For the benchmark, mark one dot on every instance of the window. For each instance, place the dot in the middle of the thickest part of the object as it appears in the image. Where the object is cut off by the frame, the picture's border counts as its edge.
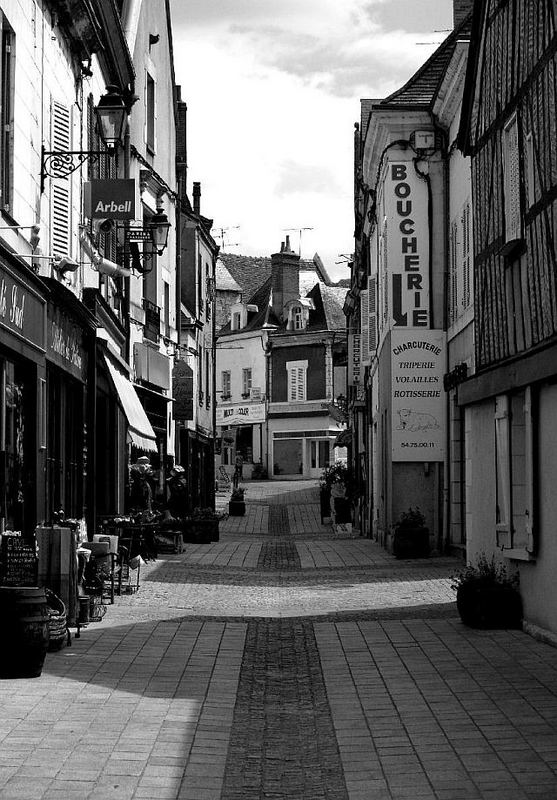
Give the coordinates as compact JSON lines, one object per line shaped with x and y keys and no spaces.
{"x":297,"y":318}
{"x":514,"y":441}
{"x":6,"y":116}
{"x":466,"y":221}
{"x":532,"y":183}
{"x":236,"y":321}
{"x":453,"y":273}
{"x":511,"y":181}
{"x":199,"y":286}
{"x":208,"y":373}
{"x":225,"y":385}
{"x":297,"y":373}
{"x":246,"y":382}
{"x":150,"y":112}
{"x":166,"y":308}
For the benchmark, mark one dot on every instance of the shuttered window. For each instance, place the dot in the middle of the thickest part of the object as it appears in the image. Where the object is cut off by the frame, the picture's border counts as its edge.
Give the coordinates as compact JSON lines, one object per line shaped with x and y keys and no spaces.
{"x":372,"y":325}
{"x":6,"y":117}
{"x":453,"y":272}
{"x":514,"y":440}
{"x":467,"y":255}
{"x":61,"y":187}
{"x":150,"y":112}
{"x":511,"y":181}
{"x":297,"y":381}
{"x":246,"y":382}
{"x":364,"y":325}
{"x":225,"y":384}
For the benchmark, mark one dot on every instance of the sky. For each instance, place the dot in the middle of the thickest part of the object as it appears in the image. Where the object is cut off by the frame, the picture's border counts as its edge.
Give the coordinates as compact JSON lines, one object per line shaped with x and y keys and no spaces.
{"x":273,"y":90}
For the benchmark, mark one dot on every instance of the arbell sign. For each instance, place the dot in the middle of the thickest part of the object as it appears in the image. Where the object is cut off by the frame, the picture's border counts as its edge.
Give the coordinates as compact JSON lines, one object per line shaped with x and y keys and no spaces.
{"x":109,"y":199}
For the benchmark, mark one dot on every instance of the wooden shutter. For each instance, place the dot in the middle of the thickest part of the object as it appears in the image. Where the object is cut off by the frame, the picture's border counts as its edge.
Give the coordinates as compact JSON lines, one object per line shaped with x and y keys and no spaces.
{"x":61,"y":187}
{"x":453,"y":275}
{"x":511,"y":181}
{"x":364,"y":325}
{"x":529,"y":472}
{"x":466,"y":255}
{"x":502,"y":469}
{"x":372,"y":324}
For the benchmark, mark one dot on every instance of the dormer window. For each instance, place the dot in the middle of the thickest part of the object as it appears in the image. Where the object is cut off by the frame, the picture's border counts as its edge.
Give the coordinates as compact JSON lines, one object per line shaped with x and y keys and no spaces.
{"x":236,"y":321}
{"x":297,"y":313}
{"x":297,"y":318}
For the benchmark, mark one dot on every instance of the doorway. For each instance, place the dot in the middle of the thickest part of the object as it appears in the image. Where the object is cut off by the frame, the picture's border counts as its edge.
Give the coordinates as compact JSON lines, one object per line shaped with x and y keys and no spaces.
{"x":319,"y":456}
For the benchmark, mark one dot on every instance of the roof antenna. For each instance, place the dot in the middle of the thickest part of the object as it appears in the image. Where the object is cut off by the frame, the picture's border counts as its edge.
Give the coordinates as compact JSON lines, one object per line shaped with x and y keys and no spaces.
{"x":299,"y":231}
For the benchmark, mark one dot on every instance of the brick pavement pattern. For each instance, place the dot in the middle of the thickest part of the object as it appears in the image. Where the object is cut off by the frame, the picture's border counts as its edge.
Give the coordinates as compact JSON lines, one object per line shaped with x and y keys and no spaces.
{"x":285,"y":661}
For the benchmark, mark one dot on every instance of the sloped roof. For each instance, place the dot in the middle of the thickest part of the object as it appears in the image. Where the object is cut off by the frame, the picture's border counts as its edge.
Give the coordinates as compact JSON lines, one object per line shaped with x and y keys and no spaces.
{"x":333,"y":298}
{"x":251,"y":272}
{"x":422,"y":87}
{"x":224,"y":280}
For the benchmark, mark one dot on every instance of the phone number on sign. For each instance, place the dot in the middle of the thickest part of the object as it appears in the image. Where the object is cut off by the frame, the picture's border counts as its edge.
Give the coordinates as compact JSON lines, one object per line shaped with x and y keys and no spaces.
{"x":417,"y":444}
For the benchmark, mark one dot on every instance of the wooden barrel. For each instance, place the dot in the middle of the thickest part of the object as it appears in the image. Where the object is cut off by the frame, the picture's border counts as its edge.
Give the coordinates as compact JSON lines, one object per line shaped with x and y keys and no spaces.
{"x":24,"y":631}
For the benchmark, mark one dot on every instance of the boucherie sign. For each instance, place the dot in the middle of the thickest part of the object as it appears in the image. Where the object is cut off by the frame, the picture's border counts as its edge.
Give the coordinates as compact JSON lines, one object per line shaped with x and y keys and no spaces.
{"x":109,"y":199}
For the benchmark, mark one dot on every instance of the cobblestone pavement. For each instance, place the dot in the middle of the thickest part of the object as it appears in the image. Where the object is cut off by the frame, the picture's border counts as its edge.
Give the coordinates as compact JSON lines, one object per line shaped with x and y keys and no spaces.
{"x":285,"y":662}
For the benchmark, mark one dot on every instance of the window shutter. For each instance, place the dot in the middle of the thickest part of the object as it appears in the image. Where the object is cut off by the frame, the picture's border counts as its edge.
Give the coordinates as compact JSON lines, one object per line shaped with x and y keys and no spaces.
{"x":372,"y":324}
{"x":364,"y":325}
{"x":453,"y":283}
{"x":300,"y":384}
{"x":466,"y":254}
{"x":503,"y":475}
{"x":529,"y":472}
{"x":511,"y":181}
{"x":60,"y":196}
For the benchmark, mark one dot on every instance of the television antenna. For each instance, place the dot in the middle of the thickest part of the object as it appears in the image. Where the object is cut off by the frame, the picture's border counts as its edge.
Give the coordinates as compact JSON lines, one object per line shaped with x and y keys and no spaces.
{"x":221,"y":233}
{"x":345,"y":258}
{"x":299,"y":231}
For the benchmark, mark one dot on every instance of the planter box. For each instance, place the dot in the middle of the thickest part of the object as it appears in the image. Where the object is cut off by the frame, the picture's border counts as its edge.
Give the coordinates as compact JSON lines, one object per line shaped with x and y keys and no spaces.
{"x":343,"y":510}
{"x":236,"y":508}
{"x":489,"y":605}
{"x":202,"y":531}
{"x":411,"y":542}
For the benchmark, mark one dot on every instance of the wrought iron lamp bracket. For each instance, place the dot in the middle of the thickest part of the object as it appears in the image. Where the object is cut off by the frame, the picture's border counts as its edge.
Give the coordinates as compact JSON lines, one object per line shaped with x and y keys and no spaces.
{"x":61,"y":163}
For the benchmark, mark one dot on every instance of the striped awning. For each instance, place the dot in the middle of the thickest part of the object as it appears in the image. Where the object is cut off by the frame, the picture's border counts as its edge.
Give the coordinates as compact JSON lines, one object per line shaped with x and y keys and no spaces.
{"x":140,"y":430}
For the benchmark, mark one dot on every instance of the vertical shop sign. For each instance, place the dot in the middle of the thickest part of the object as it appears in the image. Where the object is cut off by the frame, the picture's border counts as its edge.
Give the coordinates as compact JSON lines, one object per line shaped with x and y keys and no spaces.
{"x":354,"y":359}
{"x":418,"y":397}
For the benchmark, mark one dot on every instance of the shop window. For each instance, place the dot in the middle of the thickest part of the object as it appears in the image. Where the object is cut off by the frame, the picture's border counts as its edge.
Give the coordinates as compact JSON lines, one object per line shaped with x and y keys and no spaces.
{"x":514,"y":444}
{"x":6,"y":117}
{"x":297,"y":383}
{"x":15,"y":445}
{"x":246,"y":383}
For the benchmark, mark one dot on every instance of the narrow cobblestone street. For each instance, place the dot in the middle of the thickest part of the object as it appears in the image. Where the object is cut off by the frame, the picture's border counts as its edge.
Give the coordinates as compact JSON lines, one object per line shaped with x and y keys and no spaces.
{"x":285,"y":662}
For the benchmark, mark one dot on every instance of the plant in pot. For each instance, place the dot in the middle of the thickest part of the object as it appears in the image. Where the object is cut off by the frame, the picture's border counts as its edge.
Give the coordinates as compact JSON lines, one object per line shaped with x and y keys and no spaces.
{"x":487,"y":595}
{"x":336,"y":493}
{"x":236,"y":504}
{"x":203,"y":525}
{"x":410,"y":535}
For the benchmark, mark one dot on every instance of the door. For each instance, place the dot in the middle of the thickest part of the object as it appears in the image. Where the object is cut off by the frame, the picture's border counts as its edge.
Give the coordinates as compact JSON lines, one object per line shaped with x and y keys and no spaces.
{"x":319,"y":456}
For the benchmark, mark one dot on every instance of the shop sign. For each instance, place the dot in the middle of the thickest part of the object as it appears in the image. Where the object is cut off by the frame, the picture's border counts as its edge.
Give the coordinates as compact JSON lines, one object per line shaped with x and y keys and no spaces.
{"x":247,"y":414}
{"x":64,"y":343}
{"x":182,"y":391}
{"x":407,"y":258}
{"x":354,"y":362}
{"x":21,"y":309}
{"x":418,"y":397}
{"x":109,"y":199}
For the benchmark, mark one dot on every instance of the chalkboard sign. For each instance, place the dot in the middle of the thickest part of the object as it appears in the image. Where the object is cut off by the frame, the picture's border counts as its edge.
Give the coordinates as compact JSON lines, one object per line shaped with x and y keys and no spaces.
{"x":19,"y":562}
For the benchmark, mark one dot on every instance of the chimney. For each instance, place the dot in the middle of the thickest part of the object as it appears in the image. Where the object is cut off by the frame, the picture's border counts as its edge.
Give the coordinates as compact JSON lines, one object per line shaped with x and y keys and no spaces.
{"x":285,"y":277}
{"x":461,"y":9}
{"x":196,"y":197}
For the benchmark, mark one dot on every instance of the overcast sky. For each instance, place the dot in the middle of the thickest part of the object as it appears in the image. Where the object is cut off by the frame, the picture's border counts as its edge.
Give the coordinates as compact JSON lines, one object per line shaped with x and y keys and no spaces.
{"x":273,"y":90}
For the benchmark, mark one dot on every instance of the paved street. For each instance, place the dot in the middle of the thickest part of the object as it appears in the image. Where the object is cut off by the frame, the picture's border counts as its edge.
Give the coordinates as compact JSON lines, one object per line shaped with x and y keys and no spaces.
{"x":285,"y":661}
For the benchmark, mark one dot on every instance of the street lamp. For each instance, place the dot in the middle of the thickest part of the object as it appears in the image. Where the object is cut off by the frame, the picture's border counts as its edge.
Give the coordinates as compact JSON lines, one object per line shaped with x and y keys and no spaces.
{"x":155,"y":232}
{"x":111,"y":115}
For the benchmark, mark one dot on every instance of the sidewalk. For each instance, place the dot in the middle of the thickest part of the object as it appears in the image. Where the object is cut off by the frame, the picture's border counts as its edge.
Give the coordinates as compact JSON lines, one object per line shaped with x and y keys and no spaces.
{"x":293,"y":665}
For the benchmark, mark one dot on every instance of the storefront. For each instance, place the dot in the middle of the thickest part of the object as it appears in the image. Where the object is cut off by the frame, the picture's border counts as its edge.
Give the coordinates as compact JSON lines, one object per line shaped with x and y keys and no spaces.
{"x":241,"y":433}
{"x":69,"y":342}
{"x":22,"y":397}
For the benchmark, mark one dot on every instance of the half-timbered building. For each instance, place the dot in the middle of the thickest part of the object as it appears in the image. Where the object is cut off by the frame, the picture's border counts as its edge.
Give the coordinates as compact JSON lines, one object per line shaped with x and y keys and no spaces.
{"x":510,"y":403}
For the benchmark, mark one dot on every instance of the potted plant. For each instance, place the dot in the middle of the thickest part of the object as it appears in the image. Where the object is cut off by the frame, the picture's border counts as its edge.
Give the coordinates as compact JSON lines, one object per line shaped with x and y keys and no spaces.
{"x":410,"y":535}
{"x":236,"y":504}
{"x":487,"y":595}
{"x":203,"y":525}
{"x":336,"y":493}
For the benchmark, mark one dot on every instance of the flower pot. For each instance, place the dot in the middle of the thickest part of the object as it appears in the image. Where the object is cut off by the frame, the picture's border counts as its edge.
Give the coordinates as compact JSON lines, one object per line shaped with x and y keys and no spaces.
{"x":410,"y":542}
{"x":489,"y":605}
{"x":236,"y":508}
{"x":343,"y":510}
{"x":202,"y":531}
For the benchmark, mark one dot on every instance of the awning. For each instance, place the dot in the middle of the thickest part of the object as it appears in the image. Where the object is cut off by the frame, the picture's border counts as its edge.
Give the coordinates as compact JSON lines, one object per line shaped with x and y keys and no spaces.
{"x":140,"y":430}
{"x":344,"y":438}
